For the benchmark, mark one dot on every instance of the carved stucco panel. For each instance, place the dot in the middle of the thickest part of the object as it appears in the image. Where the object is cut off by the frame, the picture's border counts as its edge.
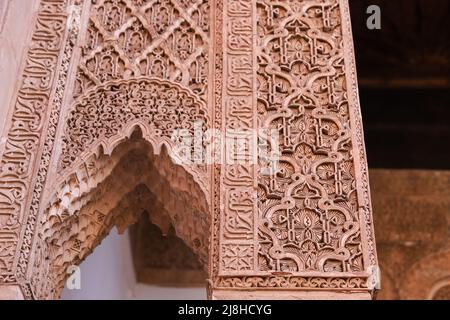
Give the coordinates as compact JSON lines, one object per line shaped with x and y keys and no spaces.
{"x":312,"y":219}
{"x":237,"y":185}
{"x":239,"y":66}
{"x":119,"y":87}
{"x":20,"y":187}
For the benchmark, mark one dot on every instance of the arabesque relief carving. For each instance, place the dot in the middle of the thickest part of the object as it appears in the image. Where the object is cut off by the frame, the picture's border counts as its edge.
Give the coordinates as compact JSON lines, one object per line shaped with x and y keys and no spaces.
{"x":309,"y":208}
{"x":164,"y":39}
{"x":103,"y":118}
{"x":107,"y":85}
{"x":312,"y":218}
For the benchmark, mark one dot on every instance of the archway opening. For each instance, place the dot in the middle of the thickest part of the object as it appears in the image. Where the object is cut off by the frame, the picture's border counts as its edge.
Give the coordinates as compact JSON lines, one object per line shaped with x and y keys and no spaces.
{"x":140,"y":264}
{"x":115,"y":190}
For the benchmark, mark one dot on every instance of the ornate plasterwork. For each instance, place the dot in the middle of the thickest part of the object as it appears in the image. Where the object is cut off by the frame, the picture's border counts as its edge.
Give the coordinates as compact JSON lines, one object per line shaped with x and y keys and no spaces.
{"x":157,"y":107}
{"x":153,"y":65}
{"x":24,"y":145}
{"x":107,"y":115}
{"x":164,"y":39}
{"x":309,"y":208}
{"x":95,"y":198}
{"x":110,"y":101}
{"x":312,"y":220}
{"x":237,"y":182}
{"x":143,"y":63}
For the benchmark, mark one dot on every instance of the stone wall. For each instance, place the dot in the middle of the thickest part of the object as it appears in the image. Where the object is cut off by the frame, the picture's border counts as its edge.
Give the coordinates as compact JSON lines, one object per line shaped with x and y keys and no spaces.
{"x":412,"y":222}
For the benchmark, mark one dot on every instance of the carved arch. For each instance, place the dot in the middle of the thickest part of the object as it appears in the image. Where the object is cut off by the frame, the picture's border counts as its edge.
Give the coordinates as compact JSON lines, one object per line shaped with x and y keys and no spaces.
{"x":106,"y":115}
{"x":113,"y":190}
{"x":128,"y":78}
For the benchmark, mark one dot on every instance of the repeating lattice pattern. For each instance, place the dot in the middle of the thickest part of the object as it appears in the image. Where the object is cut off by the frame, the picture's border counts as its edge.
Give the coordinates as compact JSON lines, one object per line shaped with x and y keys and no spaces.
{"x":309,"y":208}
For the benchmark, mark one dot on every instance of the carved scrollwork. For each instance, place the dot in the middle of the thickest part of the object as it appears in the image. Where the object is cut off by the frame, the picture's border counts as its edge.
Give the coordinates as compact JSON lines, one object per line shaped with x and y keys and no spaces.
{"x":313,"y":211}
{"x":23,"y":150}
{"x":307,"y":209}
{"x":168,"y":39}
{"x":293,"y":282}
{"x":286,"y":66}
{"x":157,"y":106}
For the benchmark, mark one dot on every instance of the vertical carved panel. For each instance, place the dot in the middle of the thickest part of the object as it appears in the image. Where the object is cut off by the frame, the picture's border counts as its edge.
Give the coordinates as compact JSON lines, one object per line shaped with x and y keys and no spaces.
{"x":312,"y":224}
{"x":237,"y":247}
{"x":309,"y":209}
{"x":24,"y":149}
{"x":145,"y":64}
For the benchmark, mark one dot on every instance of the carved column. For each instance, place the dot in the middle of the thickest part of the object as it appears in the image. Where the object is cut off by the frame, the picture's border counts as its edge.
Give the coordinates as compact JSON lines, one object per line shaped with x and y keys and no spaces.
{"x":105,"y":86}
{"x":305,"y":230}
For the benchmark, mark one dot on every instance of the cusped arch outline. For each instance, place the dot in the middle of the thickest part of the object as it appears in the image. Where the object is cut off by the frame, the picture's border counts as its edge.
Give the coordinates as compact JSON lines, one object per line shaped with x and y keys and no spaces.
{"x":114,"y":190}
{"x":106,"y":115}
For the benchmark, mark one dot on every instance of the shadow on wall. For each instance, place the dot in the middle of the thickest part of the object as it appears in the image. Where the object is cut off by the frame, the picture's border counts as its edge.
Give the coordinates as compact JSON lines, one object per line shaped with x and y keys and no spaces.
{"x":108,"y":273}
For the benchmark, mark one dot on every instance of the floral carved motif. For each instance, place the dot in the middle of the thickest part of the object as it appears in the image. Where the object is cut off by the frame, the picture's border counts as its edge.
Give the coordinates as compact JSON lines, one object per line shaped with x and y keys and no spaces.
{"x":22,"y":150}
{"x":157,"y":106}
{"x":236,"y":66}
{"x":162,"y":38}
{"x":309,"y":207}
{"x":295,"y":76}
{"x":143,"y":63}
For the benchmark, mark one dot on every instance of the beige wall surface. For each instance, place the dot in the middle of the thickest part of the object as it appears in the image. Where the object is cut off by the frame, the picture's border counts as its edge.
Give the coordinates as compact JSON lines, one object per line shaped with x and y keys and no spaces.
{"x":16,"y":18}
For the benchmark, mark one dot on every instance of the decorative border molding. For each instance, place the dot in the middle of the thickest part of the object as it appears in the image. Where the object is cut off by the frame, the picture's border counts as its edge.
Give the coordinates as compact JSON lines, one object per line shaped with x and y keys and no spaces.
{"x":311,"y":283}
{"x":24,"y":139}
{"x":361,"y":165}
{"x":239,"y":195}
